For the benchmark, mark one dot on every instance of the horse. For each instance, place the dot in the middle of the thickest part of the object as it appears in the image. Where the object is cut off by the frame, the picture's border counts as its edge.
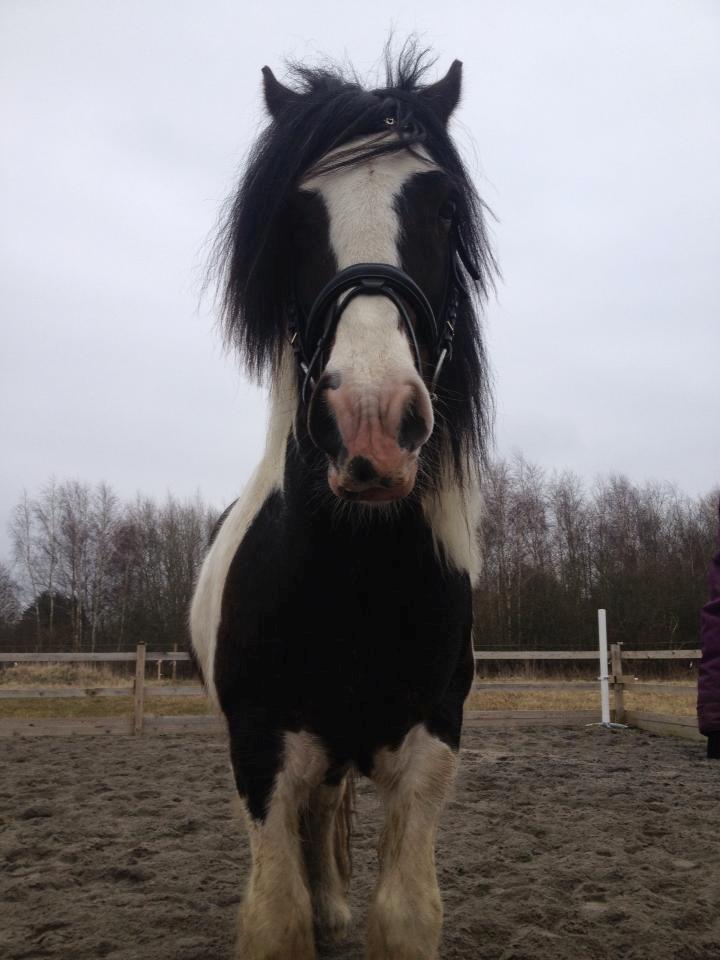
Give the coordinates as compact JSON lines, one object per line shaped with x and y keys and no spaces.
{"x":331,"y":621}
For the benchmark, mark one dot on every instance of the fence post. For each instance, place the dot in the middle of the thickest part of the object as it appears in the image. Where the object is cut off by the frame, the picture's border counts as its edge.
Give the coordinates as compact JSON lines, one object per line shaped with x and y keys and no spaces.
{"x":174,"y":665}
{"x":139,"y":690}
{"x":604,"y":679}
{"x":618,"y":685}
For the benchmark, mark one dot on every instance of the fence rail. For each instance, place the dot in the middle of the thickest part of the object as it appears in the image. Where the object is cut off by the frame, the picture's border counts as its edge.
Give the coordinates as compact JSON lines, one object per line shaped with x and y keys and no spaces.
{"x":570,"y":685}
{"x":140,"y":723}
{"x":153,"y":656}
{"x":90,"y":693}
{"x":584,"y":655}
{"x":126,"y":656}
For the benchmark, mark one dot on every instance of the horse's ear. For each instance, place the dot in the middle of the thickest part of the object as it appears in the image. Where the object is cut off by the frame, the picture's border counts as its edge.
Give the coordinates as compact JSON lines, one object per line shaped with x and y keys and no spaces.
{"x":277,"y":96}
{"x":442,"y":97}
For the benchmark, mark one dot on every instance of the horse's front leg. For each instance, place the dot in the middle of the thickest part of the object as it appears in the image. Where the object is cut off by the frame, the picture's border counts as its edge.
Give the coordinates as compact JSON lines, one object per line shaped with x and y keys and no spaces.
{"x":276,"y":918}
{"x":406,"y":914}
{"x":326,"y":836}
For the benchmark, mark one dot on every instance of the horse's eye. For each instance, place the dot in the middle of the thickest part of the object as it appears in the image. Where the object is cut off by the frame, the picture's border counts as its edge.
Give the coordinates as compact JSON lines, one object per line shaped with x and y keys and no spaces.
{"x":447,"y":211}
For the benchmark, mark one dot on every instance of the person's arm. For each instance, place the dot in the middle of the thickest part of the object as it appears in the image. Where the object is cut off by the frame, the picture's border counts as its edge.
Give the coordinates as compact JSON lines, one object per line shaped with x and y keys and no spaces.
{"x":708,"y":706}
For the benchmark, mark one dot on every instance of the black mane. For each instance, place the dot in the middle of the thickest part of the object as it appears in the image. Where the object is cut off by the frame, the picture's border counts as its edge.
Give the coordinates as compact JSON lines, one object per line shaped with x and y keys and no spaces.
{"x":329,"y":108}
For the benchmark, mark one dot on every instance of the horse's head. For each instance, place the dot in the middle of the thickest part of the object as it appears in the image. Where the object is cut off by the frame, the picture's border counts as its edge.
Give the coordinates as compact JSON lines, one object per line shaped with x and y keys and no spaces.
{"x":370,"y":410}
{"x":363,"y":256}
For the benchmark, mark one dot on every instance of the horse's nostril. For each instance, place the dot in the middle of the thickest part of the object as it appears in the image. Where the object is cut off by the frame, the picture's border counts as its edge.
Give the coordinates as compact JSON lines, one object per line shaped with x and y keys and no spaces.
{"x":361,"y":470}
{"x":413,"y":430}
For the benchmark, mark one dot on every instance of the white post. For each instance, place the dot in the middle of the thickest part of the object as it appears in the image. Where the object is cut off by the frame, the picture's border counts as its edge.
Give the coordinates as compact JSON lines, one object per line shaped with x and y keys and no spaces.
{"x":604,"y":679}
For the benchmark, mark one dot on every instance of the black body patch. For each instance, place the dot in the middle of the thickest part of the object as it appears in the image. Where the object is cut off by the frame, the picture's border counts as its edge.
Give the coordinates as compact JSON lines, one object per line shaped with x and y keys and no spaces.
{"x":353,"y":631}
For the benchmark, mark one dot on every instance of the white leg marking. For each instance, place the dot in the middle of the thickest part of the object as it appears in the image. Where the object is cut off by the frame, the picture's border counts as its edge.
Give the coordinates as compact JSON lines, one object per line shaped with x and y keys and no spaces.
{"x":206,"y":605}
{"x":276,"y":920}
{"x":406,"y":915}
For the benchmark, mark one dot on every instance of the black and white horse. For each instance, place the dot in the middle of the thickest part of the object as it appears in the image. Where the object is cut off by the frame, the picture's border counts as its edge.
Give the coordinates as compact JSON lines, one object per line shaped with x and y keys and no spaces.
{"x":332,"y":616}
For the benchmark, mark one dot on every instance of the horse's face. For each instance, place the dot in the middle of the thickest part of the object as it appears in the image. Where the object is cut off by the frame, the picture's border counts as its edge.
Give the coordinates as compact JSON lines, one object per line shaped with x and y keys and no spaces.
{"x":371,"y":411}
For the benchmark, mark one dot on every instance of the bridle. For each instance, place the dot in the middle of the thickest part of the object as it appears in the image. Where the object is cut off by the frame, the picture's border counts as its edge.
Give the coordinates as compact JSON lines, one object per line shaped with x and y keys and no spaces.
{"x":311,"y":335}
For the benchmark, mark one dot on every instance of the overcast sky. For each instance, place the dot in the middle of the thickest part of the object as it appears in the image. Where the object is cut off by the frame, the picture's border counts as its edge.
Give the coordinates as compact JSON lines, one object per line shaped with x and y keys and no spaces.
{"x":592,"y":129}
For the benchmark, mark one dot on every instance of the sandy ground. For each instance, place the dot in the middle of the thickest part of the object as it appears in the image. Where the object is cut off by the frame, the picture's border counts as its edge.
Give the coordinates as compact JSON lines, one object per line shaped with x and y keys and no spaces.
{"x":560,"y":844}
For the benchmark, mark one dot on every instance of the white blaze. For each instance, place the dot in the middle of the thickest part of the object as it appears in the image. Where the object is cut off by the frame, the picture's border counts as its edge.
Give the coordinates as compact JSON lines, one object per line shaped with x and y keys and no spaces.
{"x":364,"y":227}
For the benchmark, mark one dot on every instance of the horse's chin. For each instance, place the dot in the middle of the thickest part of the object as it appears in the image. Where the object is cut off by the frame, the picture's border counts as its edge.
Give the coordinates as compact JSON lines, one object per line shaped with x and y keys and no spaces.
{"x":388,"y":491}
{"x":376,"y":495}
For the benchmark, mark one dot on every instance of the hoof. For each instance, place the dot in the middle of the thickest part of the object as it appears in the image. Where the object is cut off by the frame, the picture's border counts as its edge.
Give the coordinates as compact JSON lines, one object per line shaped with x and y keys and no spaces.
{"x":332,"y":922}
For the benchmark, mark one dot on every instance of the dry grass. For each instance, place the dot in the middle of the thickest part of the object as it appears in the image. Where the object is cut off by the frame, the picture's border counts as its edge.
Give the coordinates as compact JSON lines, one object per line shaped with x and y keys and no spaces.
{"x":26,"y":675}
{"x":671,"y":703}
{"x":64,"y":675}
{"x":532,"y":700}
{"x":101,"y":707}
{"x":193,"y":706}
{"x":23,"y":675}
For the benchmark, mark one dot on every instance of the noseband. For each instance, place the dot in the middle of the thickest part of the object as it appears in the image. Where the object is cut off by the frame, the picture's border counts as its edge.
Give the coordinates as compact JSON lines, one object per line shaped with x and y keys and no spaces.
{"x":311,"y":337}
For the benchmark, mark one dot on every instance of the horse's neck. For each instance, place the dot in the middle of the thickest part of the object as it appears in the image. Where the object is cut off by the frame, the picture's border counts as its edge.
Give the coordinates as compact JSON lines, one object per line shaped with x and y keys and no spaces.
{"x":451,"y":510}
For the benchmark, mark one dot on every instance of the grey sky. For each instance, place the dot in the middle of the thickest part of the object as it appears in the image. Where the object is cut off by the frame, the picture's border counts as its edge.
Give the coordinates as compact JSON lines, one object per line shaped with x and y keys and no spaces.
{"x":593,"y":132}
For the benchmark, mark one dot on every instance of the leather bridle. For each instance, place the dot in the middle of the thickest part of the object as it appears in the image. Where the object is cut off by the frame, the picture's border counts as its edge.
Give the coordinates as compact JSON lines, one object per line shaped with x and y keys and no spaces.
{"x":311,"y":336}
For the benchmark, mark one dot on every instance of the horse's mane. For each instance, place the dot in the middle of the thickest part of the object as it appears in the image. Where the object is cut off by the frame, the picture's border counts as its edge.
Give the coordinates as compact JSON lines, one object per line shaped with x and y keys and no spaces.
{"x":330,"y":108}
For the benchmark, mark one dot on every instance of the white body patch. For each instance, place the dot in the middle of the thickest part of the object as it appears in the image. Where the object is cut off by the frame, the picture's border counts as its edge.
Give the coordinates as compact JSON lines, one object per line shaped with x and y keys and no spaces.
{"x":206,"y":607}
{"x":453,"y":514}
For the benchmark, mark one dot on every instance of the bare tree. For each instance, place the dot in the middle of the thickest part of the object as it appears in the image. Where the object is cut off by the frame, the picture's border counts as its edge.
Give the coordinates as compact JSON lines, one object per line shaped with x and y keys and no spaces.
{"x":103,"y":519}
{"x":118,"y":573}
{"x":24,"y":549}
{"x":93,"y":570}
{"x":74,"y":551}
{"x":555,"y":552}
{"x":46,"y":514}
{"x":10,"y":606}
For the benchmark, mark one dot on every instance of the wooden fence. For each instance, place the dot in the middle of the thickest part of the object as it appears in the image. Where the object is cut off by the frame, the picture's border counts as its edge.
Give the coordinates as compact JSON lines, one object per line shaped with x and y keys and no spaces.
{"x":680,"y":726}
{"x":141,"y":723}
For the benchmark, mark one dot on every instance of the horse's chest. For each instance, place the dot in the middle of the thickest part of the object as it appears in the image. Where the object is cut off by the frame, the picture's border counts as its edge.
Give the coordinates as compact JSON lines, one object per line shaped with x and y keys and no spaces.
{"x":376,"y":634}
{"x":342,"y":631}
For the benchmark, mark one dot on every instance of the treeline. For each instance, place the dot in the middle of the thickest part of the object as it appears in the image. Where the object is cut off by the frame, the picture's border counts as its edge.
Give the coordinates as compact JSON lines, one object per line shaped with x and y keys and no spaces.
{"x":555,"y":551}
{"x":92,"y":572}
